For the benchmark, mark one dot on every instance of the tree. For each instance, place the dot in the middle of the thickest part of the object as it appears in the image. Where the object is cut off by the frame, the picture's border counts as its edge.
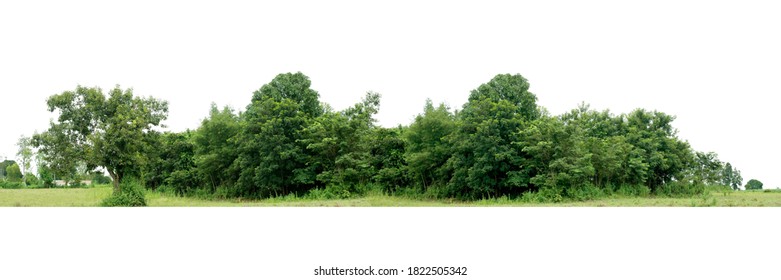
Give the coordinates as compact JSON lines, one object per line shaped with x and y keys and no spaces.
{"x":3,"y":165}
{"x":730,"y":176}
{"x":216,"y":147}
{"x":667,"y":157}
{"x":45,"y":174}
{"x":754,"y":184}
{"x":13,"y":173}
{"x":615,"y":161}
{"x":172,"y":163}
{"x":428,"y":148}
{"x":58,"y":155}
{"x":387,"y":149}
{"x":558,"y":156}
{"x":339,"y":144}
{"x":111,"y":131}
{"x":484,"y":162}
{"x":24,"y":155}
{"x":272,"y":159}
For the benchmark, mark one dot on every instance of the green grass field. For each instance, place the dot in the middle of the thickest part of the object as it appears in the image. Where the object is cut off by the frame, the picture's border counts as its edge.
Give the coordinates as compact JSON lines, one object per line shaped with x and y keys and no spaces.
{"x":89,"y":197}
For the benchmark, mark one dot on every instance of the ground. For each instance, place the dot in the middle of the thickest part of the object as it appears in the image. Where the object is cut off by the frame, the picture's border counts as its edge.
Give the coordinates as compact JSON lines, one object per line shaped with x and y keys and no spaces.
{"x":93,"y":196}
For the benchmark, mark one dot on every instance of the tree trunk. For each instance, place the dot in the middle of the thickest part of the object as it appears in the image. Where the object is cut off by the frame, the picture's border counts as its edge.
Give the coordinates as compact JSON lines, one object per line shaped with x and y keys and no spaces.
{"x":115,"y":178}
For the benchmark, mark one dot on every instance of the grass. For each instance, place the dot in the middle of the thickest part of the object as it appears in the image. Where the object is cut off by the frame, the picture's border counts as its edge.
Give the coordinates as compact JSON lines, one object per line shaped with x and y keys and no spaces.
{"x":89,"y":197}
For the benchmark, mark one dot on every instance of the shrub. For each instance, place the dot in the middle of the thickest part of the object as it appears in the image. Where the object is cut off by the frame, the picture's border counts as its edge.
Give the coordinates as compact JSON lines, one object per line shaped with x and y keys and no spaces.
{"x":416,"y":193}
{"x":167,"y":190}
{"x":10,"y":185}
{"x":337,"y":191}
{"x":584,"y":192}
{"x":201,"y":194}
{"x":633,"y":190}
{"x":543,"y":195}
{"x":679,"y":189}
{"x":100,"y":179}
{"x":132,"y":194}
{"x":222,"y":192}
{"x":30,"y":179}
{"x":718,"y":188}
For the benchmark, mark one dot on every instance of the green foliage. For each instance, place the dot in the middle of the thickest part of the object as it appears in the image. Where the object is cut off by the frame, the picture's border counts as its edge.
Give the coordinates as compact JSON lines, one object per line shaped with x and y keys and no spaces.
{"x":131,"y":194}
{"x":30,"y":179}
{"x":678,"y":189}
{"x":387,"y":157}
{"x":287,"y":144}
{"x":557,"y":156}
{"x":216,"y":148}
{"x":754,"y":184}
{"x":25,"y":155}
{"x":484,"y":161}
{"x":544,"y":195}
{"x":46,"y":176}
{"x":707,"y":168}
{"x":3,"y":165}
{"x":272,"y":158}
{"x":427,"y":146}
{"x":173,"y":163}
{"x":99,"y":179}
{"x":730,"y":176}
{"x":110,"y":131}
{"x":13,"y":173}
{"x":338,"y":143}
{"x":583,"y":192}
{"x":667,"y":156}
{"x":636,"y":190}
{"x":10,"y":185}
{"x":337,"y":192}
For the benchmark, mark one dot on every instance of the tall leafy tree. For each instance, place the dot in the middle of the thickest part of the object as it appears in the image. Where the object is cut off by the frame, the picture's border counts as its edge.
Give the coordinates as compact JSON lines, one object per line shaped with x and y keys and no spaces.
{"x":216,"y":147}
{"x":707,"y":168}
{"x":3,"y":165}
{"x":271,"y":158}
{"x":171,"y":163}
{"x":59,"y":153}
{"x":338,"y":142}
{"x":483,"y":151}
{"x":428,"y":148}
{"x":667,"y":156}
{"x":387,"y":149}
{"x":754,"y":184}
{"x":730,"y":176}
{"x":109,"y":131}
{"x":24,"y":155}
{"x":558,"y":156}
{"x":13,"y":173}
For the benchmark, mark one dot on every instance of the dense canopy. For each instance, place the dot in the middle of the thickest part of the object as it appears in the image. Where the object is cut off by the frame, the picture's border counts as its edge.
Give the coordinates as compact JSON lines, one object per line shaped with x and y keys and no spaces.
{"x":501,"y":143}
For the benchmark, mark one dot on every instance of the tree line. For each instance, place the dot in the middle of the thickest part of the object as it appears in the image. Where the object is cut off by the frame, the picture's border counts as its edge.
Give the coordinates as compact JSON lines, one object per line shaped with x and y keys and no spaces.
{"x":288,"y":142}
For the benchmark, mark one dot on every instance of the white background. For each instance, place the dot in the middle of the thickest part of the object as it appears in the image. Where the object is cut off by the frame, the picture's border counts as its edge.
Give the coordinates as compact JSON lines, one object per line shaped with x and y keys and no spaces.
{"x":714,"y":64}
{"x":289,"y":243}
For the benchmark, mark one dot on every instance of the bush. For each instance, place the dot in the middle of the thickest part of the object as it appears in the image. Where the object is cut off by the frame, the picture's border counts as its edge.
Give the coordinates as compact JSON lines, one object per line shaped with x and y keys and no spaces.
{"x":543,"y":195}
{"x":680,"y":189}
{"x":100,"y":179}
{"x":718,"y":188}
{"x":10,"y":185}
{"x":222,"y":192}
{"x":30,"y":179}
{"x":167,"y":190}
{"x":201,"y":194}
{"x":584,"y":192}
{"x":337,"y":191}
{"x":132,"y":194}
{"x":633,"y":190}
